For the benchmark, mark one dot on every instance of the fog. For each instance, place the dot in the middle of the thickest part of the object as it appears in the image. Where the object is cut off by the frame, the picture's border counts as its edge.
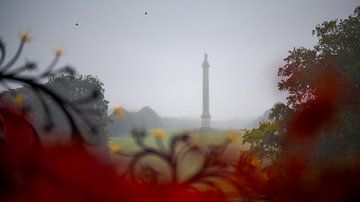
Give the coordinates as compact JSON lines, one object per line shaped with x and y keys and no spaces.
{"x":149,"y":52}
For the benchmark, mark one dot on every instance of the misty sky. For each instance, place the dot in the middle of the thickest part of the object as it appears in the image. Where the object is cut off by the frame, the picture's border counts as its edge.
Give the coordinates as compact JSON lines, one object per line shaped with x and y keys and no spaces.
{"x":155,"y":59}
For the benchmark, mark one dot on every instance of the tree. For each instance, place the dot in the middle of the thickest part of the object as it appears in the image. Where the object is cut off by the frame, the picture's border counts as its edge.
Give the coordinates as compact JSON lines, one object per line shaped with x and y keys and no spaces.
{"x":337,"y":50}
{"x":81,"y":95}
{"x":87,"y":92}
{"x":330,"y":71}
{"x":265,"y":140}
{"x":323,"y":87}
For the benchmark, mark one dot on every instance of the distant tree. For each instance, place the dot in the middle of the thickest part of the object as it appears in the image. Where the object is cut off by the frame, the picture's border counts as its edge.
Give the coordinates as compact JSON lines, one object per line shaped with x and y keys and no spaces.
{"x":86,"y":91}
{"x":145,"y":118}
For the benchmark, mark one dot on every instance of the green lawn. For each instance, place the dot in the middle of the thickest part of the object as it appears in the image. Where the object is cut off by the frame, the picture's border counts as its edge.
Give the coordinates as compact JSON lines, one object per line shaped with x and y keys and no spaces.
{"x":126,"y":142}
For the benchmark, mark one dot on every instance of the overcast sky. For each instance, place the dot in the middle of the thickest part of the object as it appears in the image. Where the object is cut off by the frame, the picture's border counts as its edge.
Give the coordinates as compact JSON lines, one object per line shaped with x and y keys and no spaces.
{"x":155,"y":59}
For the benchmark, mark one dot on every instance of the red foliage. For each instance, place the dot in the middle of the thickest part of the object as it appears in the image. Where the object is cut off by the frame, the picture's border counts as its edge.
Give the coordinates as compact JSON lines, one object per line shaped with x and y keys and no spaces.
{"x":30,"y":171}
{"x":295,"y":176}
{"x":318,"y":113}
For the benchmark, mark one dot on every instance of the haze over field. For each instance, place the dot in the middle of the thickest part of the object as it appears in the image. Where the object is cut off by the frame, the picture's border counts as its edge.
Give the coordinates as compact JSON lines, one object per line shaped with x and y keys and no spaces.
{"x":149,"y":53}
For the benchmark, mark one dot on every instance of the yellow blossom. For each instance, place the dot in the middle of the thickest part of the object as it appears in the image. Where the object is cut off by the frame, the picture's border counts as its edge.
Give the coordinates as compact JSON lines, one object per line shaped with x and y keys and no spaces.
{"x":19,"y":100}
{"x":159,"y":133}
{"x":119,"y":111}
{"x":59,"y":51}
{"x":115,"y":148}
{"x":255,"y":161}
{"x":25,"y":36}
{"x":231,"y":136}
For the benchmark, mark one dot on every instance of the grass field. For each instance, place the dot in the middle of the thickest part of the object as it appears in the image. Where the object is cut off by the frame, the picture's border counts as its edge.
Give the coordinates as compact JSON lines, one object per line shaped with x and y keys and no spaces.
{"x":126,"y":143}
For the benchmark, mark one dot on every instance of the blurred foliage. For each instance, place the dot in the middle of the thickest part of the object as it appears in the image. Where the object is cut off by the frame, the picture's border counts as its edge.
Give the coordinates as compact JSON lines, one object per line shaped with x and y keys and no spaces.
{"x":320,"y":118}
{"x":71,"y":104}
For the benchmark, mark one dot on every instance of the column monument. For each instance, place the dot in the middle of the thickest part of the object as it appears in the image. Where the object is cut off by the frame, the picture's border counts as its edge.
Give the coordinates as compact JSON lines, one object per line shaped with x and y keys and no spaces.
{"x":205,"y":117}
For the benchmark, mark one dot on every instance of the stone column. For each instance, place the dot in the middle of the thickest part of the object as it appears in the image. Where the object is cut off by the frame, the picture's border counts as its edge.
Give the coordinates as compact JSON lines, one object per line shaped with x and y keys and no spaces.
{"x":205,"y":117}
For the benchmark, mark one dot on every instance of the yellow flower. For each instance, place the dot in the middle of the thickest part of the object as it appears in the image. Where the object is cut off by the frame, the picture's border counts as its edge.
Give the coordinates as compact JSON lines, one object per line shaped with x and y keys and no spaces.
{"x":25,"y":36}
{"x":115,"y":148}
{"x":59,"y":51}
{"x":119,"y":111}
{"x":255,"y":161}
{"x":159,"y":133}
{"x":231,"y":136}
{"x":19,"y":100}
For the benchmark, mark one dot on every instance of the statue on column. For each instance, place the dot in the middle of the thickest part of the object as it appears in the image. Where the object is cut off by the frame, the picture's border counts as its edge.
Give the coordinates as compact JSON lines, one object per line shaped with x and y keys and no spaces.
{"x":205,"y":117}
